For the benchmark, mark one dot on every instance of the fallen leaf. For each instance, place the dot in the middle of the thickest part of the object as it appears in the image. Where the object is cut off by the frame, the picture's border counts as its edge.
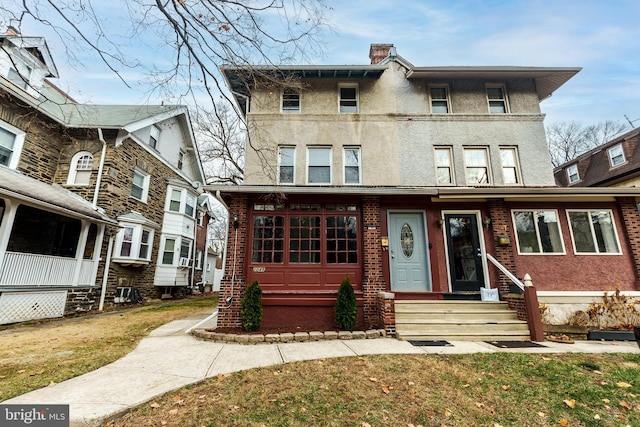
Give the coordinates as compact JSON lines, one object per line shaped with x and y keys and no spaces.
{"x":365,"y":424}
{"x":2,"y":377}
{"x":22,"y":371}
{"x":625,"y":405}
{"x":52,"y":383}
{"x":596,"y":417}
{"x":385,"y":389}
{"x":466,"y":385}
{"x":623,"y":384}
{"x":373,"y":380}
{"x":173,"y":412}
{"x":571,"y":403}
{"x":220,"y":376}
{"x":542,"y":414}
{"x":563,"y":422}
{"x":479,"y":405}
{"x":598,"y":373}
{"x":506,"y":387}
{"x":411,"y":383}
{"x":607,"y":401}
{"x":202,"y":396}
{"x":447,"y":412}
{"x":155,"y":405}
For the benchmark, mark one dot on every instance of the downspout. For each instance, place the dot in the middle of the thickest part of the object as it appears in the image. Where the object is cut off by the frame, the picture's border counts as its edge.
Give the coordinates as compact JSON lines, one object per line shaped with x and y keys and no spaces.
{"x":100,"y":168}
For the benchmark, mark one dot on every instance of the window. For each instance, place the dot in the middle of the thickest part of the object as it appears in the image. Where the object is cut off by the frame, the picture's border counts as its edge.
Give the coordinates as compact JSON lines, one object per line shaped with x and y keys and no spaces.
{"x":348,"y":99}
{"x":616,"y":155}
{"x":444,"y":169}
{"x":154,"y":135}
{"x":18,"y":79}
{"x":593,"y":232}
{"x":190,"y":205}
{"x":198,"y":260}
{"x":185,"y":249}
{"x":439,"y":99}
{"x":181,"y":201}
{"x":140,"y":185}
{"x":167,"y":253}
{"x":497,"y":99}
{"x":174,"y":202}
{"x":80,"y":169}
{"x":352,"y":165}
{"x":11,"y":141}
{"x":134,"y":242}
{"x":476,"y":166}
{"x":180,"y":159}
{"x":290,"y":100}
{"x":572,"y":174}
{"x":510,"y":169}
{"x":538,"y":232}
{"x":286,"y":165}
{"x":306,"y":234}
{"x":319,"y":161}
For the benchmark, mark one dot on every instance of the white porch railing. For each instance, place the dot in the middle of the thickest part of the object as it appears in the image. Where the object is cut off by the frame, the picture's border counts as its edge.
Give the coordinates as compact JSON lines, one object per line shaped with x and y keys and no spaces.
{"x":506,"y":272}
{"x":43,"y":270}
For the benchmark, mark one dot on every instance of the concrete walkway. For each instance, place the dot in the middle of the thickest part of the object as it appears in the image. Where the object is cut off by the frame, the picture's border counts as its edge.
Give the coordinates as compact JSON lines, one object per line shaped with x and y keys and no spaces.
{"x":169,"y":359}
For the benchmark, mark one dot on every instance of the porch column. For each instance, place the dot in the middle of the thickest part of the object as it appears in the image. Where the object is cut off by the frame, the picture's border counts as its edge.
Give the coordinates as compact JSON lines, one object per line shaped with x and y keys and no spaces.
{"x":501,"y":225}
{"x":8,"y":217}
{"x":233,"y":282}
{"x":82,"y":243}
{"x":372,"y":280}
{"x":97,"y":252}
{"x":631,"y":217}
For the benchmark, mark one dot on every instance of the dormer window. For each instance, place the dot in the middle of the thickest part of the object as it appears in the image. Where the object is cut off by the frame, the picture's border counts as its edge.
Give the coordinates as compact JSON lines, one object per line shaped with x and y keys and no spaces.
{"x":154,"y":136}
{"x":20,"y":79}
{"x":616,"y":155}
{"x":572,"y":174}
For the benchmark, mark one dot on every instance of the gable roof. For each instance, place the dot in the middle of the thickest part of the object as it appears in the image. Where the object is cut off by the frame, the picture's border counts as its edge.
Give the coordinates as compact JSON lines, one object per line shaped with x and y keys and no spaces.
{"x":37,"y":47}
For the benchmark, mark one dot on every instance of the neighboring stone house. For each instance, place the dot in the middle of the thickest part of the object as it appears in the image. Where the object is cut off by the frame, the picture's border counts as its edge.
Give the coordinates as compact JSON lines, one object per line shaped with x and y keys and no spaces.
{"x":92,"y":197}
{"x":613,"y":164}
{"x":420,"y":184}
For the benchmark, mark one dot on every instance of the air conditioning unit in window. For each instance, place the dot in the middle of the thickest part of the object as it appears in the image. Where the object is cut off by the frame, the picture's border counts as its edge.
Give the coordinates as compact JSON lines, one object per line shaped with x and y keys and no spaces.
{"x":184,"y":262}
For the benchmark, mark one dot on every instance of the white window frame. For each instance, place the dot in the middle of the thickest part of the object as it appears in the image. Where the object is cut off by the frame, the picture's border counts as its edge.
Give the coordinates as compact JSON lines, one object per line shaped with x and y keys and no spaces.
{"x":447,"y":98}
{"x":136,"y":244}
{"x":504,"y":100}
{"x":281,"y":165}
{"x":573,"y":171}
{"x":288,"y":94}
{"x":176,"y":249}
{"x":183,"y":198}
{"x":18,"y":143}
{"x":309,"y":165}
{"x":347,"y":109}
{"x":593,"y":234}
{"x":146,"y":178}
{"x":189,"y":204}
{"x":358,"y":165}
{"x":613,"y":156}
{"x":22,"y":80}
{"x":515,"y":166}
{"x":181,"y":156}
{"x":452,"y":177}
{"x":198,"y":259}
{"x":72,"y":178}
{"x":154,"y":137}
{"x":535,"y":212}
{"x":487,"y":165}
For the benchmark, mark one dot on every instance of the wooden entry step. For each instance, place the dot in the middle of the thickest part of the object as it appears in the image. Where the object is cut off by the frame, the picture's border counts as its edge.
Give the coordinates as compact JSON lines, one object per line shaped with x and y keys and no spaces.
{"x":458,"y":321}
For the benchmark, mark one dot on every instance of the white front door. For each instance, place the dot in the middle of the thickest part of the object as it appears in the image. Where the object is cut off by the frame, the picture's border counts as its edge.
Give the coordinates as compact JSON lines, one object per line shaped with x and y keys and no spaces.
{"x":409,"y":258}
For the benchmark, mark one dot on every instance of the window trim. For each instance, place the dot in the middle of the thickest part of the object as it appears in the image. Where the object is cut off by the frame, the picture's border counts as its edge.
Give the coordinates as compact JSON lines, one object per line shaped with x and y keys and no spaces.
{"x":184,"y":196}
{"x":154,"y":137}
{"x":357,"y":98}
{"x":291,"y":90}
{"x":330,"y":165}
{"x":516,"y":159}
{"x":18,"y":142}
{"x":487,"y":165}
{"x":293,"y":157}
{"x":73,"y":169}
{"x":344,"y":163}
{"x":611,"y":157}
{"x":452,"y":174}
{"x":447,"y":97}
{"x":537,"y":230}
{"x":136,"y":244}
{"x":597,"y":252}
{"x":146,"y":179}
{"x":569,"y":169}
{"x":504,"y":99}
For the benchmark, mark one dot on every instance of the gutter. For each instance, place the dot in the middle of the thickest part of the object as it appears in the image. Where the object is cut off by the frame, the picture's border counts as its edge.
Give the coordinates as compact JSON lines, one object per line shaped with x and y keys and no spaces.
{"x":100,"y":169}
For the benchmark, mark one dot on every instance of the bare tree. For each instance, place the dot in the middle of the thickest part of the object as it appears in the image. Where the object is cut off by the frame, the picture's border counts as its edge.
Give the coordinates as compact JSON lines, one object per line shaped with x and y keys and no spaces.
{"x":221,"y":136}
{"x":567,"y":140}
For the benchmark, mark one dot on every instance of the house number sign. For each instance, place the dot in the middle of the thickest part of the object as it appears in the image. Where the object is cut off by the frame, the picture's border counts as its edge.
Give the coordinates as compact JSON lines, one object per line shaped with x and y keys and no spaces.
{"x":259,"y":269}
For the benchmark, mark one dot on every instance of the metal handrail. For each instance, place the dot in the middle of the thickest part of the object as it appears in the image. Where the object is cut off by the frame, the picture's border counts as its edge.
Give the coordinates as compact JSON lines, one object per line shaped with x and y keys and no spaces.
{"x":506,"y":272}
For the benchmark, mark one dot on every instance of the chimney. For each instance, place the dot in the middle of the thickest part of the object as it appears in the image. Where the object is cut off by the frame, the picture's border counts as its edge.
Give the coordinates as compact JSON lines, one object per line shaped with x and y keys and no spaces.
{"x":378,"y":52}
{"x":11,"y":31}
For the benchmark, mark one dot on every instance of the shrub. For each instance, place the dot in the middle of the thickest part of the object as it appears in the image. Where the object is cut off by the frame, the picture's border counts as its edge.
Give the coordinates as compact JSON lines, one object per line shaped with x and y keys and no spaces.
{"x":616,"y":311}
{"x":251,"y":307}
{"x":346,"y":308}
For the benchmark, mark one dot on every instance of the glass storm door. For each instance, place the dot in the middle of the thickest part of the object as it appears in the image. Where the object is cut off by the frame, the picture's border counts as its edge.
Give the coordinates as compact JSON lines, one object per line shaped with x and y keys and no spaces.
{"x":465,"y":257}
{"x":408,"y":257}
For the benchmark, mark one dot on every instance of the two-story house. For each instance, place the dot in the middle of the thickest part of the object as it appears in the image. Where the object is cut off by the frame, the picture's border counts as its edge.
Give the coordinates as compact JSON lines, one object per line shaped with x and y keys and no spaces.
{"x":92,"y":197}
{"x":419,"y":184}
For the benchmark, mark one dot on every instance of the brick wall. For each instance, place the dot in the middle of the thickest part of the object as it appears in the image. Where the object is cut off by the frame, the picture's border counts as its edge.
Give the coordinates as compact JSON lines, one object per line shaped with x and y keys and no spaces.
{"x":631,"y":218}
{"x":233,"y":283}
{"x":501,"y":225}
{"x":373,"y":281}
{"x":387,"y":312}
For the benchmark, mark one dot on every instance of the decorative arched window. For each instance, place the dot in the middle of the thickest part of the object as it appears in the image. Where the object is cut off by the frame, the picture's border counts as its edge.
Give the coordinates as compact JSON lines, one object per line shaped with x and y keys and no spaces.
{"x":80,"y":168}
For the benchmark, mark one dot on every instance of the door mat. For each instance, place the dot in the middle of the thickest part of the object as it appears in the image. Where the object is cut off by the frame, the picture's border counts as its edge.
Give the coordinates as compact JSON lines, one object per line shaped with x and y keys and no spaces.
{"x":516,"y":344}
{"x":431,"y":343}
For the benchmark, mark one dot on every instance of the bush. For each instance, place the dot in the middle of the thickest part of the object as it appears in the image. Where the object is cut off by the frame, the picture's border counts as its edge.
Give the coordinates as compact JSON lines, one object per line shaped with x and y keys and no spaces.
{"x":251,"y":307}
{"x":346,"y":308}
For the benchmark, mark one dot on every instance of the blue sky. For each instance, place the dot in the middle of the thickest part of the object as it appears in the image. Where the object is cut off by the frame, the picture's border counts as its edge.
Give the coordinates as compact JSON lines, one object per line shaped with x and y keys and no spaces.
{"x":602,"y":37}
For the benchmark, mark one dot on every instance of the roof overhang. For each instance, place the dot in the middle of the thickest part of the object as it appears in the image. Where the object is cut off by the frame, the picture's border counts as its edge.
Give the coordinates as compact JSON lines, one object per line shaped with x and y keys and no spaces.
{"x":548,"y":79}
{"x":320,"y":190}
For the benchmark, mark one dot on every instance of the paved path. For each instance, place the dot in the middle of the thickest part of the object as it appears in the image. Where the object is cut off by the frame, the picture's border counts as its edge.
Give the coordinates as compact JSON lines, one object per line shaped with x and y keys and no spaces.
{"x":169,"y":359}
